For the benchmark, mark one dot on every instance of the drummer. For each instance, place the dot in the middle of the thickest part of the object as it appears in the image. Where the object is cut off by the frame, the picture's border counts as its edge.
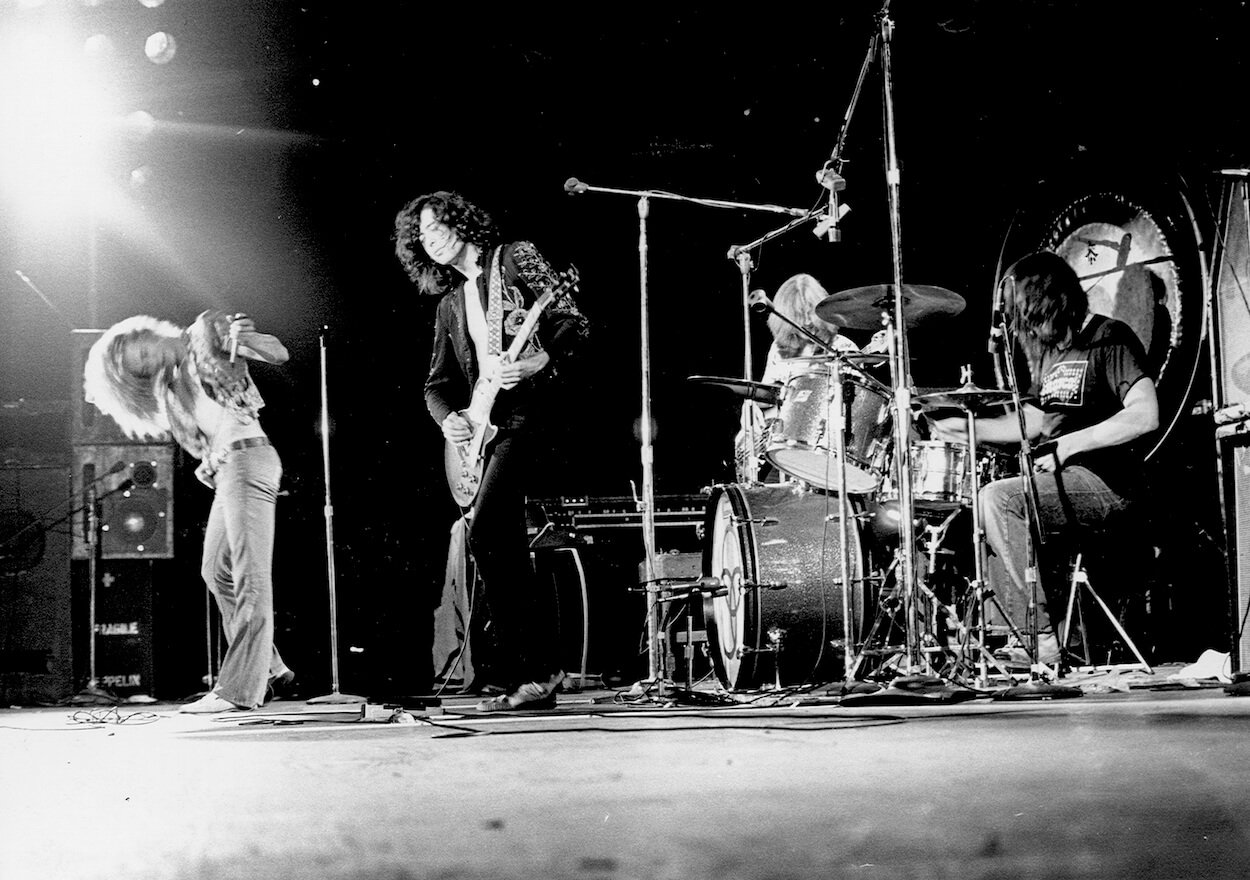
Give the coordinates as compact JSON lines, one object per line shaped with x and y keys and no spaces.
{"x":796,"y":299}
{"x":1094,"y":397}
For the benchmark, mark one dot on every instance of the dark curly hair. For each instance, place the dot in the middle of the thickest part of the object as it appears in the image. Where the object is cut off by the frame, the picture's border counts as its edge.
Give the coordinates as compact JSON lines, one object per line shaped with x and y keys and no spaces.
{"x":1045,"y":304}
{"x":470,"y":222}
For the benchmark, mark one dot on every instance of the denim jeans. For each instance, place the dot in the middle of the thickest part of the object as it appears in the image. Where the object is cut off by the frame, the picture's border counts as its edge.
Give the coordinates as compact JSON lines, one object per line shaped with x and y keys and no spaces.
{"x":522,"y":613}
{"x":1071,"y":504}
{"x":238,"y":568}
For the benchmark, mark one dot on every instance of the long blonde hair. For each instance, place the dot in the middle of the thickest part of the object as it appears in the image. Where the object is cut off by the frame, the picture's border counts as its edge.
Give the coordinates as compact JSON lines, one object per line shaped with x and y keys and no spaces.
{"x":134,"y":402}
{"x":796,"y":299}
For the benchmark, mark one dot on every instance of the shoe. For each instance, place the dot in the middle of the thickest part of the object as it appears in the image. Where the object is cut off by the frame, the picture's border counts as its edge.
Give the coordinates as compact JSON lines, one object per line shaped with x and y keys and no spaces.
{"x":278,"y":684}
{"x":209,"y":703}
{"x":531,"y":695}
{"x":1015,"y":654}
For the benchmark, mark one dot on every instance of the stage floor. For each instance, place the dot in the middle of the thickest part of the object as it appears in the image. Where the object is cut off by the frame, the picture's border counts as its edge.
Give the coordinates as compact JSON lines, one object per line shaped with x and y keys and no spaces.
{"x":1141,"y":777}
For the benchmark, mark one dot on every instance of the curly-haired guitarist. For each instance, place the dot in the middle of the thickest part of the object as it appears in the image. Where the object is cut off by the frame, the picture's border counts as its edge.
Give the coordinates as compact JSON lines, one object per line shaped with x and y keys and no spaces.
{"x":505,"y":326}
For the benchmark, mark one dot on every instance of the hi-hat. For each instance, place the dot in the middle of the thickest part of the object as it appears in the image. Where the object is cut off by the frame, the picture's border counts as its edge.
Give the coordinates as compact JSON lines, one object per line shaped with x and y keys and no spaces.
{"x":761,"y":392}
{"x":860,"y":308}
{"x":965,"y":396}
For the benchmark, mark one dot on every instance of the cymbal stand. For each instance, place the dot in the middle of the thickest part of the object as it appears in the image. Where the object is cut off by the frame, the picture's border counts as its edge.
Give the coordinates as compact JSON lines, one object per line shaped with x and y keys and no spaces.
{"x":980,"y":593}
{"x":646,"y":502}
{"x":900,"y":371}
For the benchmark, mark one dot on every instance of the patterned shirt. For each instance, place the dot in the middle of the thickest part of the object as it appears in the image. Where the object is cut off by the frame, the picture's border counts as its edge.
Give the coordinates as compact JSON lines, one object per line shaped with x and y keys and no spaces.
{"x":207,"y":370}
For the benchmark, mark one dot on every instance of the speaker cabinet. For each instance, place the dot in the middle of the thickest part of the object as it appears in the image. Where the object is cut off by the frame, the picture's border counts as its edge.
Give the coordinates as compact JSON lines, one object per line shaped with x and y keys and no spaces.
{"x":36,"y":657}
{"x":1230,"y":354}
{"x":1236,"y":456}
{"x":135,"y":486}
{"x":1232,"y":296}
{"x":87,"y":424}
{"x":123,"y":624}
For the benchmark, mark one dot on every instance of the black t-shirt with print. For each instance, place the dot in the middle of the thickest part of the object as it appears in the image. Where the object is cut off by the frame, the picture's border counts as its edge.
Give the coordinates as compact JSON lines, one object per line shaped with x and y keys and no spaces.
{"x":1086,"y":384}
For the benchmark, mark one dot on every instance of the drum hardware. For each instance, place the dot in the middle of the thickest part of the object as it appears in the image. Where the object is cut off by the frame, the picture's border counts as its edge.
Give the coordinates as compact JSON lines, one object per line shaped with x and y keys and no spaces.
{"x":776,"y":580}
{"x":646,"y":502}
{"x":973,"y":630}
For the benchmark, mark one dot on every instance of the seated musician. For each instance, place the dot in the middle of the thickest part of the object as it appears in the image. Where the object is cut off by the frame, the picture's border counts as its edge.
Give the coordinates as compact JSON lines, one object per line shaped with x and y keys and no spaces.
{"x":796,"y":299}
{"x":1094,"y":398}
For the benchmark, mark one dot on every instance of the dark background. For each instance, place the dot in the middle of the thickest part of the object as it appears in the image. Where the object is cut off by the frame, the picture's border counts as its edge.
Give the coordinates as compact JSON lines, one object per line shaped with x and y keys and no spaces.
{"x":275,"y":195}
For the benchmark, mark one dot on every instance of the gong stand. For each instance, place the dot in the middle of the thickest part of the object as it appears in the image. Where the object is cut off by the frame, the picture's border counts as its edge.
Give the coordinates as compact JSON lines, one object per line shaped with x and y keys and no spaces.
{"x":646,"y":502}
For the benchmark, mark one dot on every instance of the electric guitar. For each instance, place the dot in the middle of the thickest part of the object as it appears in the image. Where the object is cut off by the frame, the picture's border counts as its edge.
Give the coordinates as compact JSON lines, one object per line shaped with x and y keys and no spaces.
{"x":465,"y":461}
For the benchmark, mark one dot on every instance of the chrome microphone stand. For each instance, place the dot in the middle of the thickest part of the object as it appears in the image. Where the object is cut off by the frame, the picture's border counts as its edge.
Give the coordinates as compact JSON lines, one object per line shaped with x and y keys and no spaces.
{"x":896,"y":334}
{"x":646,"y":502}
{"x":334,"y":696}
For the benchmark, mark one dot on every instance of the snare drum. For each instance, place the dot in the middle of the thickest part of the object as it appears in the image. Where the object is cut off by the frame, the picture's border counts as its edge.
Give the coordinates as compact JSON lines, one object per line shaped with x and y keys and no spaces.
{"x":757,"y":538}
{"x":801,"y":442}
{"x":940,"y":477}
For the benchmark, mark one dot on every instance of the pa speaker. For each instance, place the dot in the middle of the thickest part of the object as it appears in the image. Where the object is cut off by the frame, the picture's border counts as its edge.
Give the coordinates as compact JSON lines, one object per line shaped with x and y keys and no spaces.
{"x":36,"y":657}
{"x":1232,"y":296}
{"x":134,"y":485}
{"x":123,"y":624}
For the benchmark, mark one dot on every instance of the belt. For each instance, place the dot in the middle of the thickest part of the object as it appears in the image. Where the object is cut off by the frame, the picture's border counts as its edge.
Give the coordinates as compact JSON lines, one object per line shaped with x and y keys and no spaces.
{"x":250,"y":441}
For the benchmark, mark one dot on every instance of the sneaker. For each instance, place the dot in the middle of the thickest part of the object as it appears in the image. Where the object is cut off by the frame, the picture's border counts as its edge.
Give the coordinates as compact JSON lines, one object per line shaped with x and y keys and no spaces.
{"x":209,"y":703}
{"x":531,"y":695}
{"x":1015,"y":654}
{"x":278,"y":685}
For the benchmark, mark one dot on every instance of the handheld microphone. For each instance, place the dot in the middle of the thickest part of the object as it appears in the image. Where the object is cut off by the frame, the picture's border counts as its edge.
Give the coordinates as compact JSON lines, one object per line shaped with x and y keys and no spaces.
{"x":573,"y":185}
{"x":117,"y":468}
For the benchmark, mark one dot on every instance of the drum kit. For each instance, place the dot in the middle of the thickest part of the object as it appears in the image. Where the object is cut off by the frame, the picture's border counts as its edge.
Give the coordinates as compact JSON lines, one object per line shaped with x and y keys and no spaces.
{"x":781,"y":616}
{"x":787,"y":566}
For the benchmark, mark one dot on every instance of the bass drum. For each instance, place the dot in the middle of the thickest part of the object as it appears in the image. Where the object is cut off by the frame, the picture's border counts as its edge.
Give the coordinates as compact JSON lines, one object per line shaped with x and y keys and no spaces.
{"x":759,"y":537}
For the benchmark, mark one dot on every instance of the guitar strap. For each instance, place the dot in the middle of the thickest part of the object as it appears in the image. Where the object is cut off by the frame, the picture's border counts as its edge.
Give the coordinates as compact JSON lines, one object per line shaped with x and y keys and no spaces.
{"x":494,"y":304}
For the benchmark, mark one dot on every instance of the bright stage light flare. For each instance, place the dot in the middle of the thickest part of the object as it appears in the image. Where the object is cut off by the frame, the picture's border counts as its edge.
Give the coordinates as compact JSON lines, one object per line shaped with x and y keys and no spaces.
{"x":55,"y":119}
{"x":160,"y":47}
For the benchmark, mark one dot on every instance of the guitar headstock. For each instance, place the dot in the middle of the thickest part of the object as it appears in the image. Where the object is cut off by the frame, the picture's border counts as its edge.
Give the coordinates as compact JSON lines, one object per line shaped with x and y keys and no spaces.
{"x":568,"y":280}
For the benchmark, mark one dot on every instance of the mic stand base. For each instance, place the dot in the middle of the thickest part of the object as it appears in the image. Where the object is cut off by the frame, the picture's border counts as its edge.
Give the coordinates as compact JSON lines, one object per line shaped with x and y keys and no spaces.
{"x":93,"y":695}
{"x":334,"y":698}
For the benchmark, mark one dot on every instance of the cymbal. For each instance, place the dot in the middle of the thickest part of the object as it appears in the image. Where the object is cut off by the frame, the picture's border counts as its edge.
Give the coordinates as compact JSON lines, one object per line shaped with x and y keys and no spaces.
{"x":858,"y":358}
{"x":964,"y":396}
{"x":761,"y":392}
{"x":860,"y":308}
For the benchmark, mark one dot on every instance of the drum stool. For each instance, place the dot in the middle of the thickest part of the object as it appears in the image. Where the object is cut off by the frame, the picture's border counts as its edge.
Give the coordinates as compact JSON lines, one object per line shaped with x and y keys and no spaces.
{"x":1097,"y":550}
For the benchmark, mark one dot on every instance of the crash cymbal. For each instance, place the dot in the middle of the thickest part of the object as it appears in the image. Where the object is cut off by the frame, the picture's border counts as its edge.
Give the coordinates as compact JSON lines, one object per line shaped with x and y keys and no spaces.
{"x":963,"y":396}
{"x":856,"y":358}
{"x":761,"y":392}
{"x":860,"y":308}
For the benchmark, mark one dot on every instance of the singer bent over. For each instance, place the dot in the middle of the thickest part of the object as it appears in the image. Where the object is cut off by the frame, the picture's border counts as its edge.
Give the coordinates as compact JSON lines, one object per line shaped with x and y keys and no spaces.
{"x":450,"y":247}
{"x":157,"y":380}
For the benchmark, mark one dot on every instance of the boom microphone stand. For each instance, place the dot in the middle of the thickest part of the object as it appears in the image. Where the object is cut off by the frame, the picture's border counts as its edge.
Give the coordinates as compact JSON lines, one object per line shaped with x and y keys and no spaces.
{"x":334,"y":696}
{"x":646,"y":503}
{"x":1035,"y":688}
